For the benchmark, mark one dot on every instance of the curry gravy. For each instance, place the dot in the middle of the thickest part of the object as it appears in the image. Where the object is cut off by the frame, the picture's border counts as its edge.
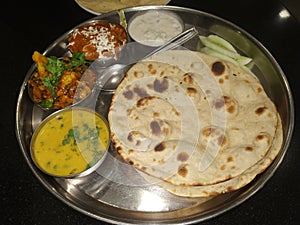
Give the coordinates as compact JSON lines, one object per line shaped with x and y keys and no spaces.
{"x":70,"y":142}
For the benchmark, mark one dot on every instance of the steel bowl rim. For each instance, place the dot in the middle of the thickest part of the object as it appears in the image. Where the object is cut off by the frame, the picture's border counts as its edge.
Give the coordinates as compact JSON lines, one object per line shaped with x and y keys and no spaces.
{"x":52,"y":116}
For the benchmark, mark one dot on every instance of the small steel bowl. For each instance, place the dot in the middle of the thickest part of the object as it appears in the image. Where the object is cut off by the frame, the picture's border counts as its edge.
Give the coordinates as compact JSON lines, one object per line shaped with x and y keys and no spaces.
{"x":70,"y":142}
{"x":80,"y":96}
{"x":98,"y":39}
{"x":157,"y":34}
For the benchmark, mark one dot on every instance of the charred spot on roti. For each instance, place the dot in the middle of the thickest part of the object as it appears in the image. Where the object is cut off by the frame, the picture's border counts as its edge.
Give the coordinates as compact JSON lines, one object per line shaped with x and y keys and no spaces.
{"x":208,"y":131}
{"x":249,"y":149}
{"x":151,"y":69}
{"x":130,"y":137}
{"x":219,"y":103}
{"x":191,"y":91}
{"x":155,"y":115}
{"x":135,"y":137}
{"x":141,"y":92}
{"x":175,"y":112}
{"x":218,"y":68}
{"x":143,"y":101}
{"x":129,"y":161}
{"x":130,"y":151}
{"x":188,"y":78}
{"x":136,"y":74}
{"x":223,"y":167}
{"x":221,"y":140}
{"x":153,"y":72}
{"x":128,"y":111}
{"x":155,"y":127}
{"x":229,"y":189}
{"x":231,"y":109}
{"x":213,"y":135}
{"x":182,"y":156}
{"x":225,"y":103}
{"x":230,"y":159}
{"x":263,"y":137}
{"x":259,"y":137}
{"x":128,"y":94}
{"x":182,"y":170}
{"x":221,"y":81}
{"x":160,"y":147}
{"x":259,"y":89}
{"x":260,"y":110}
{"x":160,"y":85}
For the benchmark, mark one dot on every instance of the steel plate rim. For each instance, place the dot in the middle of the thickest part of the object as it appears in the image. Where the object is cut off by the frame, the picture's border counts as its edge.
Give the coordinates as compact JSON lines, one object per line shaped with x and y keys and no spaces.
{"x":271,"y":169}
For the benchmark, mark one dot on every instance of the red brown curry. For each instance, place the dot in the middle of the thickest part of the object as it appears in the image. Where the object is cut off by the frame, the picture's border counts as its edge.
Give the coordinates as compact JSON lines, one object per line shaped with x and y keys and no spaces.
{"x":58,"y":83}
{"x":98,"y":40}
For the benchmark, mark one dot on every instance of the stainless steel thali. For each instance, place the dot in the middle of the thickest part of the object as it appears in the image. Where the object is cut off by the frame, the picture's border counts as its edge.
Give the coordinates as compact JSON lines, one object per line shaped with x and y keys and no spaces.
{"x":109,"y":195}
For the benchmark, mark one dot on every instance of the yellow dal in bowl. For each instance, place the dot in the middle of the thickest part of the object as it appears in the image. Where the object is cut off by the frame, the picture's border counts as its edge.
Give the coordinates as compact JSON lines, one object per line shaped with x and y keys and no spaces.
{"x":70,"y":142}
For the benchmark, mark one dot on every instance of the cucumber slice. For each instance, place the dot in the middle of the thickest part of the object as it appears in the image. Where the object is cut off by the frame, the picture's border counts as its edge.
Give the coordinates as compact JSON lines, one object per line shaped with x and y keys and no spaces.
{"x":243,"y":60}
{"x":212,"y":52}
{"x":222,"y":42}
{"x":219,"y":47}
{"x":208,"y":43}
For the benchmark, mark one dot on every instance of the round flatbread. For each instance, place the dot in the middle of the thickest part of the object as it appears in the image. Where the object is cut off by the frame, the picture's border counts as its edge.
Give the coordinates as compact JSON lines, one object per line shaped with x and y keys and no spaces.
{"x":230,"y":185}
{"x":191,"y":120}
{"x":103,"y":6}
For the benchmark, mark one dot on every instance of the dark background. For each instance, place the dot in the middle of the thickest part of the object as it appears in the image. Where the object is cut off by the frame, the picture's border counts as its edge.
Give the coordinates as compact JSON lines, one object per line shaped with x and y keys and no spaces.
{"x":33,"y":25}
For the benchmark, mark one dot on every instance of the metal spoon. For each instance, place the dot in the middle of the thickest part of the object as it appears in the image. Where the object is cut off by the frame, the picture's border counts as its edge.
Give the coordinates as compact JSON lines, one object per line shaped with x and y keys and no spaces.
{"x":109,"y":77}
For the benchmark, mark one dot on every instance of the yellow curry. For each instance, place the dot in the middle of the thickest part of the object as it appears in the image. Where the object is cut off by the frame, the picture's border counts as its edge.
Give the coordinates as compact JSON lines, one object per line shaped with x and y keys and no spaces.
{"x":70,"y":141}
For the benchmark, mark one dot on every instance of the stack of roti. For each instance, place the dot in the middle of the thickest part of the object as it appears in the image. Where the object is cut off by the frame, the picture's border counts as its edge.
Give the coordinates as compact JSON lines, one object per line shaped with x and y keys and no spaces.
{"x":194,"y":124}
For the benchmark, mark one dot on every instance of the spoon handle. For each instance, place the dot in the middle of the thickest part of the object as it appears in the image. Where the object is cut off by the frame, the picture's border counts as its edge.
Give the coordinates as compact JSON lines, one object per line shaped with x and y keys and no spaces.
{"x":175,"y":41}
{"x":111,"y":76}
